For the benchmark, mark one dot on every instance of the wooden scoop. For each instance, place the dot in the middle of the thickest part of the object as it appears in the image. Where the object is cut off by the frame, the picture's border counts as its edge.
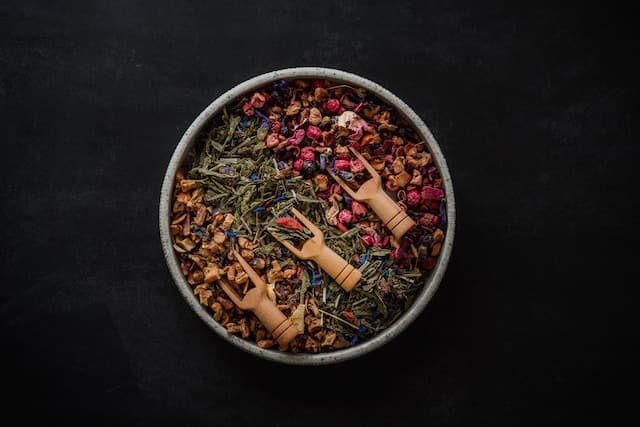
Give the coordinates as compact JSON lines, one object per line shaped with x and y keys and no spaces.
{"x":371,"y":192}
{"x":257,"y":301}
{"x":316,"y":250}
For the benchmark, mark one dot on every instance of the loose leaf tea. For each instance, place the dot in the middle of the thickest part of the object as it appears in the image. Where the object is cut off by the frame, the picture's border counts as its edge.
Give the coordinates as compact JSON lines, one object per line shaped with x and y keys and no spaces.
{"x":277,"y":149}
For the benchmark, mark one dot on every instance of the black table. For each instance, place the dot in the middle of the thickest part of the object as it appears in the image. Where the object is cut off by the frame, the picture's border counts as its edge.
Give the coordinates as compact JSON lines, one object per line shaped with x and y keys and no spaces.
{"x":532,"y":106}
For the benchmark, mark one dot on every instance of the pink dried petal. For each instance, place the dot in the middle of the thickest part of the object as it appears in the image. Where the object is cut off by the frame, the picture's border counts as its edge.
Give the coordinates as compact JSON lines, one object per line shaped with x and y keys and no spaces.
{"x":345,"y":216}
{"x":356,"y":166}
{"x":368,"y":240}
{"x":258,"y":100}
{"x":247,"y":108}
{"x":359,"y":210}
{"x":288,"y":222}
{"x":272,"y":140}
{"x":296,"y":139}
{"x":342,"y":164}
{"x":298,"y":164}
{"x":432,"y":193}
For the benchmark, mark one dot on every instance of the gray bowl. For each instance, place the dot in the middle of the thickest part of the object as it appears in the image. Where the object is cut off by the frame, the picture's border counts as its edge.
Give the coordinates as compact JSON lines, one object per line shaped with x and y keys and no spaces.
{"x":188,"y":139}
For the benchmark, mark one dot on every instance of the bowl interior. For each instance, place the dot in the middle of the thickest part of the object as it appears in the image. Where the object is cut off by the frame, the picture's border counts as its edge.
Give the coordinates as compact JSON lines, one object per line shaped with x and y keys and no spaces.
{"x":181,"y":152}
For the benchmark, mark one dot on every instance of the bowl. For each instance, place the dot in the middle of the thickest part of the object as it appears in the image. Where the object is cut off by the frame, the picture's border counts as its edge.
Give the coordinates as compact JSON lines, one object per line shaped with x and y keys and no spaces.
{"x":432,"y":281}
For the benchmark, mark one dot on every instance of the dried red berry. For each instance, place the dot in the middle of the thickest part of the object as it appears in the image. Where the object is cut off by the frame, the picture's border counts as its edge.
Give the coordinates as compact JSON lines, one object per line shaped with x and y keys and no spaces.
{"x":308,"y":154}
{"x":313,"y":132}
{"x":413,"y":197}
{"x":333,"y":105}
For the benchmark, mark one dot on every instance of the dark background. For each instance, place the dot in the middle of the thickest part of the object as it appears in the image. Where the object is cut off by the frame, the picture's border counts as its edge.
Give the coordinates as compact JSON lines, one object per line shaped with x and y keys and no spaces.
{"x":531,"y":105}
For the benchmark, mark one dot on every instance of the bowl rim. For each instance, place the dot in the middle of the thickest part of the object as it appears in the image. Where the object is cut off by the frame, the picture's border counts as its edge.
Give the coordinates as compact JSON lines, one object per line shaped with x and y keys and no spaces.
{"x":183,"y":147}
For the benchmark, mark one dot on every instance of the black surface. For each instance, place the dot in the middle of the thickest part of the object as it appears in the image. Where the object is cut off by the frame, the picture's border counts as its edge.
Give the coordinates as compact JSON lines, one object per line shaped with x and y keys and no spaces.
{"x":532,"y":106}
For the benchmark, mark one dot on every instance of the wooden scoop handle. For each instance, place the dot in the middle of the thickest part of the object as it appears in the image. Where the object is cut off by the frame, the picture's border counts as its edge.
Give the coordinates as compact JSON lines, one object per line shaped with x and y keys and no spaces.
{"x":392,"y":215}
{"x":278,"y":325}
{"x":342,"y":272}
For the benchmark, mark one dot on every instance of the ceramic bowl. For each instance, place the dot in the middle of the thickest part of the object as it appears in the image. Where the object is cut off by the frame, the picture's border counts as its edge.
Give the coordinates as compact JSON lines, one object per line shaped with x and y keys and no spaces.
{"x":188,"y":139}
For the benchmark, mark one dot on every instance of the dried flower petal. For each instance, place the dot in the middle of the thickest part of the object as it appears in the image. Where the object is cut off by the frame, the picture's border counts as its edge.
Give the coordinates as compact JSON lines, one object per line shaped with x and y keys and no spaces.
{"x":290,"y":223}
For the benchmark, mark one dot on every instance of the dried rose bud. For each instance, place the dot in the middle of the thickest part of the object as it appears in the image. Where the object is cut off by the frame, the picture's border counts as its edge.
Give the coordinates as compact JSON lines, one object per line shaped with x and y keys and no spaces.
{"x":342,"y":164}
{"x":247,"y":108}
{"x":345,"y":216}
{"x":356,"y":166}
{"x":288,"y":222}
{"x":333,"y":105}
{"x":297,"y":164}
{"x":313,"y":132}
{"x":275,"y":127}
{"x":368,"y":240}
{"x":258,"y":100}
{"x":359,"y":210}
{"x":308,"y":155}
{"x":413,"y":197}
